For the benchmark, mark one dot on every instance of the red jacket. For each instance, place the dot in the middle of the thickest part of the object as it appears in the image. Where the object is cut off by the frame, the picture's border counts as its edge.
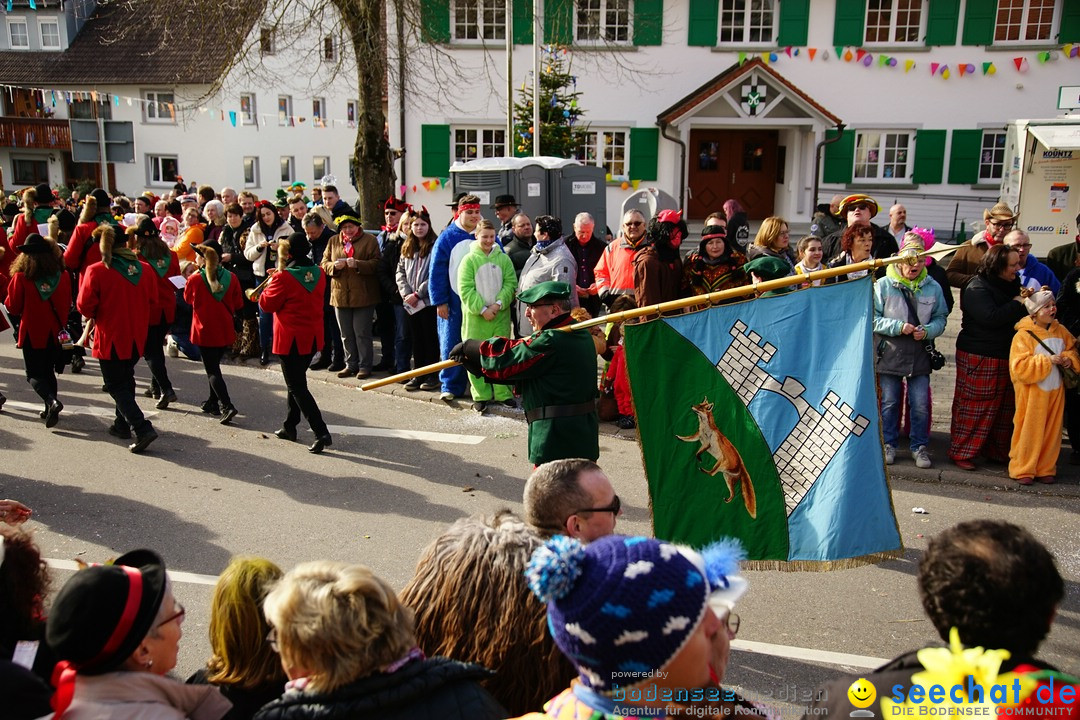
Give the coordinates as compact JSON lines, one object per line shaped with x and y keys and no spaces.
{"x":9,"y":253}
{"x":297,"y":312}
{"x":39,"y":324}
{"x":164,"y":310}
{"x":121,"y":309}
{"x":212,"y":320}
{"x":20,"y":230}
{"x":82,"y":239}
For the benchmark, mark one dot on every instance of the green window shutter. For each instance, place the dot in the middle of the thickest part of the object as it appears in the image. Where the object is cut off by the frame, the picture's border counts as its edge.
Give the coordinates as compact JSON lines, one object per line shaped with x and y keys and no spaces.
{"x":434,"y":150}
{"x":849,"y":23}
{"x":929,"y":156}
{"x":1070,"y":22}
{"x":559,"y":22}
{"x":980,"y":17}
{"x":435,"y":21}
{"x":644,"y":148}
{"x":704,"y":19}
{"x":648,"y":22}
{"x":523,"y":22}
{"x":839,"y":162}
{"x":794,"y":22}
{"x":942,"y":19}
{"x":964,"y":156}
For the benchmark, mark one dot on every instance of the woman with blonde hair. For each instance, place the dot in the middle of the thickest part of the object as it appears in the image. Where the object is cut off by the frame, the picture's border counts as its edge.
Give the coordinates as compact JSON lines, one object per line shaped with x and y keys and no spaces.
{"x":772,"y":239}
{"x":348,"y":646}
{"x":145,"y":239}
{"x":242,"y":664}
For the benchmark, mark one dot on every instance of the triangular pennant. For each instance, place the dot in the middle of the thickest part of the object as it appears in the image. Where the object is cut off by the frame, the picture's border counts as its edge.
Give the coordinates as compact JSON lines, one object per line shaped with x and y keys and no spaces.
{"x":742,"y":58}
{"x":813,"y":52}
{"x":765,"y":57}
{"x":1043,"y":56}
{"x":635,"y":184}
{"x":945,"y":72}
{"x":988,"y":68}
{"x":933,"y":68}
{"x":232,"y":117}
{"x":1019,"y":62}
{"x":1075,"y":51}
{"x":860,"y":54}
{"x":839,"y":52}
{"x":882,"y":60}
{"x":962,"y":68}
{"x":414,"y":188}
{"x":788,"y":50}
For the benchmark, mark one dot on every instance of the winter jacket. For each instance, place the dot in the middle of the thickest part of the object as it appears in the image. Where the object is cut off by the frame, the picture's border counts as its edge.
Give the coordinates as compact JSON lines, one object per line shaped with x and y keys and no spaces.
{"x":824,"y":223}
{"x":1062,"y":259}
{"x":120,"y":309}
{"x":232,"y":244}
{"x":41,"y":319}
{"x":412,"y":276}
{"x":899,"y":354}
{"x":143,"y":696}
{"x":353,"y":287}
{"x":965,"y":261}
{"x":212,"y":319}
{"x":614,"y":272}
{"x":989,"y":314}
{"x":298,"y":312}
{"x":431,"y":689}
{"x":1068,"y":302}
{"x":656,"y":280}
{"x":259,"y":257}
{"x":554,"y":262}
{"x":483,"y":279}
{"x":755,"y":251}
{"x":519,"y":250}
{"x":1034,"y":275}
{"x":191,"y":237}
{"x":386,"y":270}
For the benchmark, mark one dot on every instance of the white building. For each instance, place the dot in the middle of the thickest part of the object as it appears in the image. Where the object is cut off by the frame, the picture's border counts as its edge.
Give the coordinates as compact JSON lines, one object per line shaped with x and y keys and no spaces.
{"x":711,"y":99}
{"x":240,"y":99}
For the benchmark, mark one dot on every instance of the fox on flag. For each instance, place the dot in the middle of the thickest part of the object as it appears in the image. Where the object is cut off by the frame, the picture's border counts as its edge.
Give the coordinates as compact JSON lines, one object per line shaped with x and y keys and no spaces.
{"x":759,"y":420}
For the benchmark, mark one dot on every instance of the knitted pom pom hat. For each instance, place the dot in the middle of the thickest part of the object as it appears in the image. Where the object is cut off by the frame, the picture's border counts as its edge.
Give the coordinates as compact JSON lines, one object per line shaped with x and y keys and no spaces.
{"x":622,"y":607}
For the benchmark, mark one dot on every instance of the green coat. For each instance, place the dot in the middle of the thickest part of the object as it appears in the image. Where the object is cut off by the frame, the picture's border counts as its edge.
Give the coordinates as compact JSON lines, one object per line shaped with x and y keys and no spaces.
{"x":551,"y":367}
{"x":483,"y":279}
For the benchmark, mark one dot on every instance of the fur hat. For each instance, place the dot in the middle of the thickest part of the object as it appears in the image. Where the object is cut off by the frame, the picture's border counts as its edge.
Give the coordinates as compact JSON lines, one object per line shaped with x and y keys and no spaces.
{"x":1039,"y":299}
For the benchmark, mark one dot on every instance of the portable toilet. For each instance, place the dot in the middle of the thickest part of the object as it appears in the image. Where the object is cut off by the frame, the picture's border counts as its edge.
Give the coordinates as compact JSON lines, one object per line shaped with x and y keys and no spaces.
{"x":487,"y":178}
{"x":577,"y":188}
{"x":650,"y":201}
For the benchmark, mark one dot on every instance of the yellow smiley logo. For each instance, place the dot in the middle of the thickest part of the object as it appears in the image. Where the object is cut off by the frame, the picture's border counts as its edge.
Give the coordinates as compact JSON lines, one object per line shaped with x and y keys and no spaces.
{"x":862,"y":693}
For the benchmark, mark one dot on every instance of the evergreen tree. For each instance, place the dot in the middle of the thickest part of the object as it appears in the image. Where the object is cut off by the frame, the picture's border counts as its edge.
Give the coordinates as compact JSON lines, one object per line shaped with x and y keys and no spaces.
{"x":561,"y":132}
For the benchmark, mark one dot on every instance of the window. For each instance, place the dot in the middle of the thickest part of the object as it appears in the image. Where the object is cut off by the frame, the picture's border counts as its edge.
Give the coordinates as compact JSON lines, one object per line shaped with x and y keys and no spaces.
{"x":287,"y":164}
{"x":894,"y":22}
{"x":1021,"y":21}
{"x":992,"y":156}
{"x":17,"y":34}
{"x":266,"y":41}
{"x":163,"y":169}
{"x":159,"y":107}
{"x":50,"y":34}
{"x":247,"y":108}
{"x":318,"y":112}
{"x":603,"y":21}
{"x":84,"y":109}
{"x":30,"y":171}
{"x":479,"y":19}
{"x":328,"y":52}
{"x":320,"y":166}
{"x":251,"y":171}
{"x":284,"y":110}
{"x":882,"y":155}
{"x":748,"y":22}
{"x":605,"y":148}
{"x":350,"y":113}
{"x":473,"y":143}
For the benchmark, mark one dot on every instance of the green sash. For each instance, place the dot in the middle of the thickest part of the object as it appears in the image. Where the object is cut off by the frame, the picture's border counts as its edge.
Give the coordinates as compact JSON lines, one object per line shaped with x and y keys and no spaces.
{"x":224,"y":277}
{"x":307,"y":275}
{"x":47,"y":285}
{"x":42,"y":214}
{"x":161,"y":265}
{"x":127,"y":264}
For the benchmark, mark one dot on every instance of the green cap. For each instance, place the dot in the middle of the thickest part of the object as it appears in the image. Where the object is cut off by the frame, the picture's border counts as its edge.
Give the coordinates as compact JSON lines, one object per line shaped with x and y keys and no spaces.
{"x":544,"y":291}
{"x":768,"y":267}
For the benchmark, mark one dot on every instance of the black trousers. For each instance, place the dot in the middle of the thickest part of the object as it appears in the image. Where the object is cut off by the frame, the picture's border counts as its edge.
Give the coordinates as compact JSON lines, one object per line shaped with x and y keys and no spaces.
{"x":294,"y":367}
{"x":425,"y":337}
{"x":333,"y":348}
{"x":154,"y":352}
{"x":41,"y":370}
{"x":211,"y":360}
{"x":384,"y":328}
{"x":119,"y":377}
{"x":1072,"y":418}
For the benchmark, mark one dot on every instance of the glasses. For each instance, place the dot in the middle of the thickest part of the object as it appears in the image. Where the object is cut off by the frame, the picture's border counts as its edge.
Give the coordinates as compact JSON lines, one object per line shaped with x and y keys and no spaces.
{"x":271,"y":637}
{"x":1020,"y":245}
{"x":1003,"y":224}
{"x":178,"y":615}
{"x":858,"y":206}
{"x":613,"y":508}
{"x":636,"y":223}
{"x":731,"y":622}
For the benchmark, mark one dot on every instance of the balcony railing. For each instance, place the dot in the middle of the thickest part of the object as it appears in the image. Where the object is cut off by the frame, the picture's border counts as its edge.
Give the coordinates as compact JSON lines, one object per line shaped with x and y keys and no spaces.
{"x":35,"y":133}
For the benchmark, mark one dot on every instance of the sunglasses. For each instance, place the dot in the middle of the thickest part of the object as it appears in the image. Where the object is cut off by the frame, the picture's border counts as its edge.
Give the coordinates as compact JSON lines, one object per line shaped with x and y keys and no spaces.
{"x":859,"y":206}
{"x":636,"y":223}
{"x":178,"y":615}
{"x":614,"y":508}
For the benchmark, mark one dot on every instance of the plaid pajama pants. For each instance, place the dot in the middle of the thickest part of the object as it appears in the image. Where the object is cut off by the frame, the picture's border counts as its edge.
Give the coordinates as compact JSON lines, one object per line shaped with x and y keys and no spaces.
{"x":982,"y":409}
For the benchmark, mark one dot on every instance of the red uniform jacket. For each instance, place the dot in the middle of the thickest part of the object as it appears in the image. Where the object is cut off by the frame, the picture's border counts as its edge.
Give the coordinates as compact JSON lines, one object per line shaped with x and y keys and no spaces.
{"x":3,"y":298}
{"x":297,"y":312}
{"x":9,"y":253}
{"x":121,"y":310}
{"x":82,"y":239}
{"x":212,"y":320}
{"x":164,"y":310}
{"x":39,"y":324}
{"x":21,"y":230}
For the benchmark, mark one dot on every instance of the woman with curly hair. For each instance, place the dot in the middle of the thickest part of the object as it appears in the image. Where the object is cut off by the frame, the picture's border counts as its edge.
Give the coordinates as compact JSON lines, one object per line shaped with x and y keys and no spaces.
{"x":24,"y":585}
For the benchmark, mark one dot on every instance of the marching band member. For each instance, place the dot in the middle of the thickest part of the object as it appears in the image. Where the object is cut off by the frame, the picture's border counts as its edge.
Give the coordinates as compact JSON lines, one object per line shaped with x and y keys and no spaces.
{"x":214,"y":295}
{"x":145,"y":239}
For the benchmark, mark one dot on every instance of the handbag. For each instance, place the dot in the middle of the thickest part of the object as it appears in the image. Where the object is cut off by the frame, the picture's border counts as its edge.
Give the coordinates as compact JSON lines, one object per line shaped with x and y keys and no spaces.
{"x":1069,"y":377}
{"x":63,"y":337}
{"x":937,"y":360}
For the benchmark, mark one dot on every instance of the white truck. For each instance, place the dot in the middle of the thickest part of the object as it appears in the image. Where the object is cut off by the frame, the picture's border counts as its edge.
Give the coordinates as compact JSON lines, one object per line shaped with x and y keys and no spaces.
{"x":1041,"y":179}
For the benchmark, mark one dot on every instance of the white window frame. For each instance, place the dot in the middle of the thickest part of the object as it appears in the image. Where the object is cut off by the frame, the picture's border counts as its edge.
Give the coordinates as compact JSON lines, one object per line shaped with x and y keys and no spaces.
{"x":602,"y":148}
{"x":352,"y":111}
{"x":745,"y":27}
{"x":483,"y":140}
{"x":285,"y":116}
{"x":996,"y":148}
{"x":1050,"y":39}
{"x":11,"y":24}
{"x":251,"y":162}
{"x":329,"y":48}
{"x":318,"y":112}
{"x":315,"y":167}
{"x":267,"y":41}
{"x":473,"y":21}
{"x":248,"y":116}
{"x":919,"y":31}
{"x":155,"y":107}
{"x":42,"y":23}
{"x":288,"y":167}
{"x":883,"y":155}
{"x":604,"y":28}
{"x":154,"y":170}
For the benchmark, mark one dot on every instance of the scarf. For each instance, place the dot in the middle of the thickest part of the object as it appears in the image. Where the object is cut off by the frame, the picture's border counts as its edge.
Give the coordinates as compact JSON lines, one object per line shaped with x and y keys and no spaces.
{"x":347,"y":246}
{"x":161,"y":265}
{"x":127,"y":263}
{"x":307,"y":275}
{"x":912,"y":285}
{"x":224,"y":278}
{"x":47,"y":285}
{"x":42,"y":214}
{"x":105,"y":218}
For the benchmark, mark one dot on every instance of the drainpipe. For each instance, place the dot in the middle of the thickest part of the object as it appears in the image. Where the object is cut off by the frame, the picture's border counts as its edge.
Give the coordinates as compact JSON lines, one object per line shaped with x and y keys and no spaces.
{"x":682,"y":159}
{"x":817,"y":162}
{"x":399,"y":12}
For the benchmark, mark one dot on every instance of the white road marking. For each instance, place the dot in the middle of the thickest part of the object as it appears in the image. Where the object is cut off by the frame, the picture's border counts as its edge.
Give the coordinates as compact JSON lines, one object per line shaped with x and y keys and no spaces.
{"x":453,"y":438}
{"x":797,"y":653}
{"x":177,"y":576}
{"x":72,"y":409}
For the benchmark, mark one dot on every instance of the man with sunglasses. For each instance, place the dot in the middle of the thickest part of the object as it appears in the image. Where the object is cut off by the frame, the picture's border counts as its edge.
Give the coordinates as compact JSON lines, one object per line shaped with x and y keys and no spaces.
{"x":614,"y":271}
{"x":999,"y":220}
{"x":859,"y":209}
{"x":571,"y":497}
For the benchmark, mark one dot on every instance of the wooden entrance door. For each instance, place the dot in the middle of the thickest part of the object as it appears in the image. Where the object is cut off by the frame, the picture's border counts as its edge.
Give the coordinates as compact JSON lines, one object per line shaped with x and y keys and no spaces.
{"x":738,"y":164}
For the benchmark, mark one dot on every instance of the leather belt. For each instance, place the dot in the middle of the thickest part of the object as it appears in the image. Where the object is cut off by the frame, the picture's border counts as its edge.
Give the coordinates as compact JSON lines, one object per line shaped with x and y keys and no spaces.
{"x":547,"y":412}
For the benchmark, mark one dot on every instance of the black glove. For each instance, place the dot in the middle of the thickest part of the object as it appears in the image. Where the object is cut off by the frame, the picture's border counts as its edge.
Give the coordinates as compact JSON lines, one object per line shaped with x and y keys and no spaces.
{"x":457,"y":353}
{"x":468,"y":354}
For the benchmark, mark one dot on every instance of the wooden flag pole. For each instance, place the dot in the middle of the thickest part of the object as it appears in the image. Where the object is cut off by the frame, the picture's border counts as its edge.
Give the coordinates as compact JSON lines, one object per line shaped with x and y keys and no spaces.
{"x":709,"y":298}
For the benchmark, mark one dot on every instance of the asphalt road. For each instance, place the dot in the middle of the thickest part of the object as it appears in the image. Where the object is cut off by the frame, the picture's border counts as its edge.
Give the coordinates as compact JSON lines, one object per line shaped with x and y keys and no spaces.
{"x":204,"y":492}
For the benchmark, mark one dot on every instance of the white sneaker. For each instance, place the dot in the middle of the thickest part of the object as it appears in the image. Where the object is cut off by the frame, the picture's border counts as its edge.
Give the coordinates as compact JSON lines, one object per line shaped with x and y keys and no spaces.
{"x":890,"y":454}
{"x":921,"y":457}
{"x":446,"y":396}
{"x":171,"y":348}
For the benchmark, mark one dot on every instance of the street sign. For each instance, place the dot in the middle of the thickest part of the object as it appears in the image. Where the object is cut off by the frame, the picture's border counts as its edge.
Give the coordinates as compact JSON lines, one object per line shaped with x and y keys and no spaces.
{"x":119,"y":141}
{"x":1069,"y":97}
